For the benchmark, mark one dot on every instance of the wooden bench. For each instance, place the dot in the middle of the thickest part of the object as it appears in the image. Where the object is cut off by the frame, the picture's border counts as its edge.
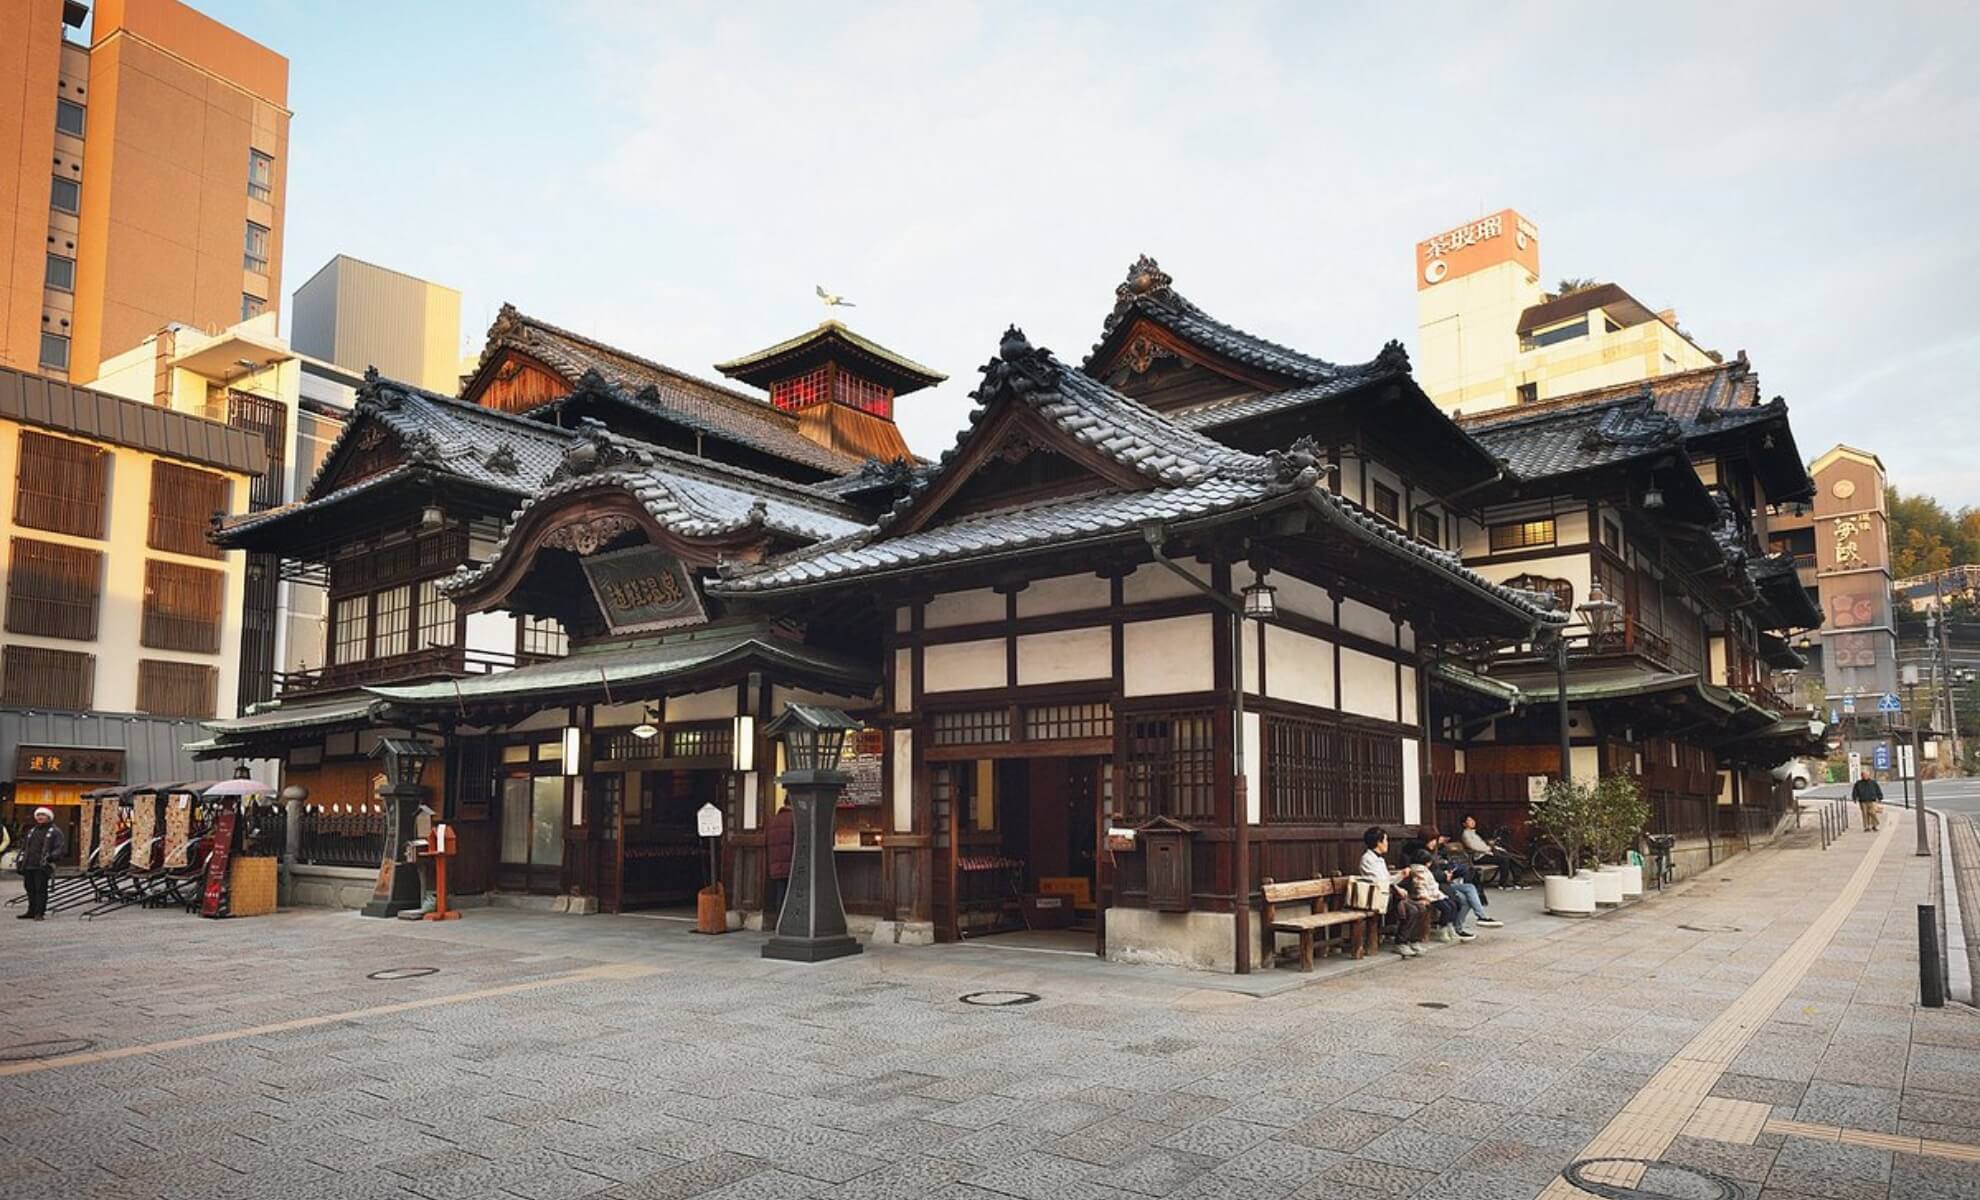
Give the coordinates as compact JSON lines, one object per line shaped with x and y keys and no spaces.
{"x":1324,"y":901}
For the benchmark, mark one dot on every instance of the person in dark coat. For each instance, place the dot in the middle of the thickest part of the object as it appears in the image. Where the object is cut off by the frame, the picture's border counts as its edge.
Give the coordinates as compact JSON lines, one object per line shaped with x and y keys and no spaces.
{"x":782,"y":835}
{"x":1869,"y":798}
{"x":41,"y":846}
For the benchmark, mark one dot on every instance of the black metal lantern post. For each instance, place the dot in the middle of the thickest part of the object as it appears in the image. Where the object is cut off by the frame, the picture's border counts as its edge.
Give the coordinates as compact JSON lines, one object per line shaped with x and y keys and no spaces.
{"x":812,"y":926}
{"x":405,"y":761}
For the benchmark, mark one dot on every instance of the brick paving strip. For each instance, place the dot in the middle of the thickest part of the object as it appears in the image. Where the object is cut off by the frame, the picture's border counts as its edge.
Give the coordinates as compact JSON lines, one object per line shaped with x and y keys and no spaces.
{"x":610,"y":971}
{"x":1865,"y":1137}
{"x":1678,"y":1099}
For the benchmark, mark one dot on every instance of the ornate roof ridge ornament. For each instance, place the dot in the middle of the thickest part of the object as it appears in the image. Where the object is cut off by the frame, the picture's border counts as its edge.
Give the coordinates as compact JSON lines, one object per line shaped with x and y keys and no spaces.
{"x":1145,"y":277}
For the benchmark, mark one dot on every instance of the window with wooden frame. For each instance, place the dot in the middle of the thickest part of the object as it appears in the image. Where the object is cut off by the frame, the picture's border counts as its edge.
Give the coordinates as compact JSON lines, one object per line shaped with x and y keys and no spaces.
{"x":183,"y":501}
{"x":1316,"y":772}
{"x":1429,"y":528}
{"x":439,"y":625}
{"x":181,"y":607}
{"x":541,"y":637}
{"x":1518,"y":535}
{"x":176,"y":689}
{"x":35,"y":677}
{"x":391,"y":621}
{"x":61,"y":485}
{"x":350,"y":629}
{"x":1612,"y":536}
{"x":973,"y":727}
{"x":713,"y":740}
{"x":1061,"y":722}
{"x":53,"y":590}
{"x":1388,"y":503}
{"x":1171,"y":765}
{"x":802,"y":391}
{"x":863,"y":394}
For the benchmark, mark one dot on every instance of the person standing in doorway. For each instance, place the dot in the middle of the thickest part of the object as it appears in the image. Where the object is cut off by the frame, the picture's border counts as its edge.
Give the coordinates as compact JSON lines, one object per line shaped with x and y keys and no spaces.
{"x":1869,"y":799}
{"x":782,"y":836}
{"x":41,"y":846}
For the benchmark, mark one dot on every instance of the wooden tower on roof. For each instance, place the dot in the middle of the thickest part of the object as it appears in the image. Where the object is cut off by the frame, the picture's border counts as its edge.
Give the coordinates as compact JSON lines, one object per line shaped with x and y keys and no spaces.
{"x":839,"y":385}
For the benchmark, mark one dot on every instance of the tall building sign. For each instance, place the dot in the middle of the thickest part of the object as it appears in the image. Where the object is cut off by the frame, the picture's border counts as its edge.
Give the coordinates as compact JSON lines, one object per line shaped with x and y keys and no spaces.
{"x":1853,"y":574}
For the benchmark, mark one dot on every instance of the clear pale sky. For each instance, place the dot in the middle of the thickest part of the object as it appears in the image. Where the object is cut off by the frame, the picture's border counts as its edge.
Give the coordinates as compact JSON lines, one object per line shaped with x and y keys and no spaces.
{"x":1798,"y":181}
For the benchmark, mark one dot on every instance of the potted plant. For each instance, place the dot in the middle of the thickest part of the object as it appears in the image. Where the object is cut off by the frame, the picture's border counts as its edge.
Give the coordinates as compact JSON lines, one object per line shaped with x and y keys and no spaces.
{"x":1623,"y":815}
{"x":1567,"y":813}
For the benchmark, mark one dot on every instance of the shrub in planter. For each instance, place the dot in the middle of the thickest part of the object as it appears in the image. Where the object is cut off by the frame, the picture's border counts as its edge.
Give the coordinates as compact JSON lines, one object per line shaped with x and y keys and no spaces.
{"x":1621,"y":814}
{"x":1568,"y":813}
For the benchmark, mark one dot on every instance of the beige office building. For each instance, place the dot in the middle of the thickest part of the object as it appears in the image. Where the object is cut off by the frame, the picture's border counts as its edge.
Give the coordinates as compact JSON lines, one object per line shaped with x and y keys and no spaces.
{"x":142,"y":178}
{"x":1490,"y":335}
{"x":357,"y":315}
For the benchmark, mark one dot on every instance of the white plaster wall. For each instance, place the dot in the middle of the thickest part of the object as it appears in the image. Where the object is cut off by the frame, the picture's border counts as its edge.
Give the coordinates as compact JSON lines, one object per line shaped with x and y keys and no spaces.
{"x":1409,"y":705}
{"x":1153,"y":581}
{"x":903,"y":769}
{"x":1254,"y":754}
{"x":1406,"y":636}
{"x":1065,"y":655}
{"x":1298,"y":596}
{"x":1171,"y":655}
{"x":749,"y":800}
{"x":903,"y":680}
{"x":491,"y":632}
{"x":1064,"y":593}
{"x":1717,"y":649}
{"x":1571,"y":526}
{"x":963,"y":608}
{"x":703,"y":706}
{"x":1368,"y":621}
{"x":1412,"y":781}
{"x":1368,"y":685}
{"x":1250,"y":656}
{"x":903,"y":619}
{"x":1298,"y":668}
{"x":960,"y":666}
{"x":1571,"y":567}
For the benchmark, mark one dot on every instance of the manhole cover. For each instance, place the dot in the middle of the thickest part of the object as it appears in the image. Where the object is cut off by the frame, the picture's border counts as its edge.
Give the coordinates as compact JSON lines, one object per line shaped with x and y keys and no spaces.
{"x":30,"y":1051}
{"x":391,"y":973}
{"x":1659,"y":1181}
{"x":1712,"y":928}
{"x":999,"y":999}
{"x":1430,"y":1004}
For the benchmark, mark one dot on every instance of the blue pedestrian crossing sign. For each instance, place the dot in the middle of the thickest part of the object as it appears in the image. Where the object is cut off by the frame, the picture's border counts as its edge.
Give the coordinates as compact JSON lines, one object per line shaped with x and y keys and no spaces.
{"x":1849,"y":703}
{"x":1889,"y":703}
{"x":1832,"y":716}
{"x":1880,"y":758}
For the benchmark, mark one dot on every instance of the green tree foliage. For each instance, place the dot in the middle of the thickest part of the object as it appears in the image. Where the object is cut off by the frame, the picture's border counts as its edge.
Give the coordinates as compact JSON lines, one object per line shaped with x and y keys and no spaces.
{"x":1925,"y":537}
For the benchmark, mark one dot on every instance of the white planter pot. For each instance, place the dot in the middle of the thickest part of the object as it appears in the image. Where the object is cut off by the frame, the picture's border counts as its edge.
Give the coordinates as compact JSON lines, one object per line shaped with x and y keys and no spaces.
{"x":1569,"y":896}
{"x":1632,"y":879}
{"x":1608,"y":885}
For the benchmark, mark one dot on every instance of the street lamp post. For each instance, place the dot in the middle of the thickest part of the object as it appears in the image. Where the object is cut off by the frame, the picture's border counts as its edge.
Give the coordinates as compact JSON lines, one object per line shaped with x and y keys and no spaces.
{"x":398,"y":887}
{"x":812,"y":926}
{"x":1915,"y":782}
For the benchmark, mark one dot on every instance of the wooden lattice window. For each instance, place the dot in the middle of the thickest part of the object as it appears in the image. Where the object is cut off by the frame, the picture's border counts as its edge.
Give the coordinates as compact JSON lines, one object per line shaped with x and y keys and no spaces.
{"x":34,"y":677}
{"x":350,"y":629}
{"x":802,"y":391}
{"x":1060,"y":722}
{"x":181,"y":607}
{"x":61,"y":485}
{"x":1562,"y":590}
{"x":183,"y":502}
{"x":541,"y":637}
{"x":1171,"y":765}
{"x":176,"y":689}
{"x":1388,"y":504}
{"x":864,"y":395}
{"x":1429,"y":528}
{"x":1518,"y":535}
{"x":437,"y":621}
{"x":53,"y":590}
{"x":1316,"y":772}
{"x":701,"y":741}
{"x":974,"y":727}
{"x":391,"y":622}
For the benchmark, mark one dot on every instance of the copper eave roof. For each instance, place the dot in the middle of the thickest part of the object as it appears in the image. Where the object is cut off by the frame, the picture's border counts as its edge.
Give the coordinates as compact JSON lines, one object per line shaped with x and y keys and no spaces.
{"x":830,"y":341}
{"x":87,"y":413}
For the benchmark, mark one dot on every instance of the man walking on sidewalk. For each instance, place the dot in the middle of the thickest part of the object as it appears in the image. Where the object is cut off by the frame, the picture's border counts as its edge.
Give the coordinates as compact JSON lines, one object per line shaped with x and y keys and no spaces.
{"x":1869,"y":798}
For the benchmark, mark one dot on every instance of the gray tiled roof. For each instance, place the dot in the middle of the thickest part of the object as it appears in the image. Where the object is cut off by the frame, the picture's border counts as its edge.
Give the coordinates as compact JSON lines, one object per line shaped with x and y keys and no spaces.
{"x":1568,"y":441}
{"x":663,"y":392}
{"x":1230,"y":410}
{"x":630,"y":664}
{"x":1148,"y":291}
{"x":694,"y":497}
{"x":1190,"y":477}
{"x":496,"y":450}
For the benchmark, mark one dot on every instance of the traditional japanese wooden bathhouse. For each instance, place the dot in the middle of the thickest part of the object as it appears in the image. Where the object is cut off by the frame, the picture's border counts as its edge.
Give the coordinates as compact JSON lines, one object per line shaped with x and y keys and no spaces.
{"x":1071,"y":702}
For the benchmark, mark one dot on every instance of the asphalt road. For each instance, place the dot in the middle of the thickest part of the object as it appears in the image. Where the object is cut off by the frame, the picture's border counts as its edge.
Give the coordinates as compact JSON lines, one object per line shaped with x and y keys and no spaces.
{"x":1950,"y":795}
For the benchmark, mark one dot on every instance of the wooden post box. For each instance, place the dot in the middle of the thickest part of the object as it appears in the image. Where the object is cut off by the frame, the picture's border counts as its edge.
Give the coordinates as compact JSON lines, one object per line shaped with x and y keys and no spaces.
{"x":1167,"y":846}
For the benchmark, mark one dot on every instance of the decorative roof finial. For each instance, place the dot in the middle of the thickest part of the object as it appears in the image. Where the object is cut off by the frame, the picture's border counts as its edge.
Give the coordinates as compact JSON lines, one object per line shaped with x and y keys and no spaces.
{"x":1014,"y":345}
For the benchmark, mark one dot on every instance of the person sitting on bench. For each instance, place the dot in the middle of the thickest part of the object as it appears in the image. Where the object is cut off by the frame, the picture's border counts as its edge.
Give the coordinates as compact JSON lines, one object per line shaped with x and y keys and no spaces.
{"x":1412,"y":920}
{"x":1485,"y":853}
{"x":1456,"y":878}
{"x":1449,"y":911}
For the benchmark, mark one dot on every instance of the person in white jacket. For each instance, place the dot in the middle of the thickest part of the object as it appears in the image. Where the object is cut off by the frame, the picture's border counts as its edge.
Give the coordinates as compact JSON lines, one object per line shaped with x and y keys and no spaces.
{"x":1412,"y":919}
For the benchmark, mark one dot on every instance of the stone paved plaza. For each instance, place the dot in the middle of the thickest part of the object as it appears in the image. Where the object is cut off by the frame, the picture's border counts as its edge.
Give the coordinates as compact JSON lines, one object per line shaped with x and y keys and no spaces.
{"x":550,"y":1057}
